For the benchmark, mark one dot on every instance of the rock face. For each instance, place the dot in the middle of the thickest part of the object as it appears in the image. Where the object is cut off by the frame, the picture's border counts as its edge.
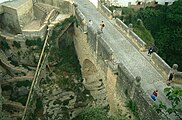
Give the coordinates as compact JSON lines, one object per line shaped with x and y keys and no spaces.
{"x":56,"y":101}
{"x":60,"y":104}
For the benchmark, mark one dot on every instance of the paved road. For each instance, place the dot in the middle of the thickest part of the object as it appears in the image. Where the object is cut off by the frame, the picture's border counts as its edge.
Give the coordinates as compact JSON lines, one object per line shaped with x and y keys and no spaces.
{"x":125,"y":52}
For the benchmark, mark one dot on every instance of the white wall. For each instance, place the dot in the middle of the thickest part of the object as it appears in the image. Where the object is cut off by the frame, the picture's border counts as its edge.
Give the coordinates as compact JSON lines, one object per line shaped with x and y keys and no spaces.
{"x":95,"y":2}
{"x":134,"y":2}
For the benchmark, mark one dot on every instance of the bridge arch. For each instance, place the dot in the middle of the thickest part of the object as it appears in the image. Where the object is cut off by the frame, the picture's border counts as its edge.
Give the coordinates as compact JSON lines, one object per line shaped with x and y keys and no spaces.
{"x":89,"y":71}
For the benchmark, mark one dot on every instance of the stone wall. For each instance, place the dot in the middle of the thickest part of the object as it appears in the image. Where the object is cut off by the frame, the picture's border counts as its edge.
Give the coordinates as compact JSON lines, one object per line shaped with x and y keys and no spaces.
{"x":39,"y":14}
{"x":178,"y":78}
{"x":1,"y":9}
{"x":160,"y":64}
{"x":10,"y":20}
{"x":81,"y":20}
{"x":31,"y":34}
{"x":92,"y":37}
{"x":25,"y":13}
{"x":103,"y":50}
{"x":130,"y":85}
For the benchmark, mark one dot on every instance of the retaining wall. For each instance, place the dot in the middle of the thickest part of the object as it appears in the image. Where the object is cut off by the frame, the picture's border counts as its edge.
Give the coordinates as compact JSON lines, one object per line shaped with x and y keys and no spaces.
{"x":30,"y":34}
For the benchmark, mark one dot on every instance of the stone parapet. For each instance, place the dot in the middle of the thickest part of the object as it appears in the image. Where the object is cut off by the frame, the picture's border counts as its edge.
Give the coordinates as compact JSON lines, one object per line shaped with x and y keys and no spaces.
{"x":130,"y":85}
{"x":81,"y":20}
{"x":133,"y":37}
{"x":141,"y":45}
{"x":123,"y":26}
{"x":92,"y":36}
{"x":160,"y":64}
{"x":105,"y":10}
{"x":178,"y":78}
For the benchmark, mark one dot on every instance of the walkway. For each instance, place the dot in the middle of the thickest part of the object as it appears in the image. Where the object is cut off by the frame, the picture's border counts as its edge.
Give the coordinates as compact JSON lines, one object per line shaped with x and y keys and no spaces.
{"x":125,"y":52}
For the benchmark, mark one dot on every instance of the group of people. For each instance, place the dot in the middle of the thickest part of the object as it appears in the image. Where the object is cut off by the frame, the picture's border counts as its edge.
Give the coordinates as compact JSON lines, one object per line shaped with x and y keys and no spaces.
{"x":169,"y":80}
{"x":150,"y":51}
{"x":102,"y":25}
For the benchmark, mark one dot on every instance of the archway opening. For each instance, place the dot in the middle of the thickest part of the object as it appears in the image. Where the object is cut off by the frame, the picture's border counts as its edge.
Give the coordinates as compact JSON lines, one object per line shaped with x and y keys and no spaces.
{"x":89,"y":71}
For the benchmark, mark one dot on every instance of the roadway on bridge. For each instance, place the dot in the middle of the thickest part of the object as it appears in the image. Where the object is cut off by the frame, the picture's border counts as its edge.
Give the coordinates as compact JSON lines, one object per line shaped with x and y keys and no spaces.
{"x":125,"y":52}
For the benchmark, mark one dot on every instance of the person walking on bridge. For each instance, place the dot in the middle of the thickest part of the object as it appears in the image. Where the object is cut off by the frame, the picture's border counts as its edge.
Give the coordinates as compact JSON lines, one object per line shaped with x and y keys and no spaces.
{"x":154,"y":95}
{"x":102,"y":25}
{"x":151,"y":50}
{"x":90,"y":22}
{"x":170,"y":78}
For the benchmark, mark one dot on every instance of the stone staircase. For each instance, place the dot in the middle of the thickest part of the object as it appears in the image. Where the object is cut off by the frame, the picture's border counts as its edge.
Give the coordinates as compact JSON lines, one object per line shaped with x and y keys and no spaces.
{"x":39,"y":6}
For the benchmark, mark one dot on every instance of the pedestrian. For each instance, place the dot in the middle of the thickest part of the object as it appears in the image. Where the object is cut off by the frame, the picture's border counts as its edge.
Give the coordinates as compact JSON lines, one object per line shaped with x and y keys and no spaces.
{"x":154,"y":95}
{"x":90,"y":22}
{"x":170,"y":78}
{"x":102,"y":25}
{"x":151,"y":50}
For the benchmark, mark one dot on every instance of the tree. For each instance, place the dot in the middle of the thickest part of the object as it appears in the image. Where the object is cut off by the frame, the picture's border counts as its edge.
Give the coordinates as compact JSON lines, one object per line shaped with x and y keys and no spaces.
{"x":94,"y":113}
{"x":174,"y":95}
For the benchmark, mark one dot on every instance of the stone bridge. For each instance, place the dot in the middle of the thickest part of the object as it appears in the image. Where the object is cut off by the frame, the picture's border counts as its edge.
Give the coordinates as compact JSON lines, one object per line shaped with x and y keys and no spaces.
{"x":115,"y":61}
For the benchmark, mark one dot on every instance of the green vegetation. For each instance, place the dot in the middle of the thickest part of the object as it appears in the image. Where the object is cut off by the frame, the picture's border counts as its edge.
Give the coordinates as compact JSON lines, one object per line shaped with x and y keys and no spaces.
{"x":4,"y":45}
{"x":162,"y":26}
{"x":133,"y":107}
{"x":93,"y":114}
{"x":16,"y":44}
{"x":174,"y":95}
{"x":23,"y":83}
{"x":144,"y":34}
{"x":59,"y":27}
{"x":36,"y":42}
{"x":99,"y":113}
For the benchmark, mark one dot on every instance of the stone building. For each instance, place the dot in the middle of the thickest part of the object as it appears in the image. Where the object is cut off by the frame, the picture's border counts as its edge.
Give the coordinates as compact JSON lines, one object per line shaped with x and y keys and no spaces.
{"x":15,"y":14}
{"x":126,"y":3}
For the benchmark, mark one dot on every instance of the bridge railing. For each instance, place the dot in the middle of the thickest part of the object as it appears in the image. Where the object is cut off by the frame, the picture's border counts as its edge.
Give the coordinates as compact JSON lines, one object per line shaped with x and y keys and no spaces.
{"x":105,"y":10}
{"x":160,"y":64}
{"x":92,"y":36}
{"x":81,"y":20}
{"x":133,"y":37}
{"x":123,"y":26}
{"x":100,"y":47}
{"x":131,"y":86}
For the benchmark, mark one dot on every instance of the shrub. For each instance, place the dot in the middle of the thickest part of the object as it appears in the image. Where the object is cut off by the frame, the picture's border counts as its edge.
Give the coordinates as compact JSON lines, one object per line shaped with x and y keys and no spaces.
{"x":16,"y":44}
